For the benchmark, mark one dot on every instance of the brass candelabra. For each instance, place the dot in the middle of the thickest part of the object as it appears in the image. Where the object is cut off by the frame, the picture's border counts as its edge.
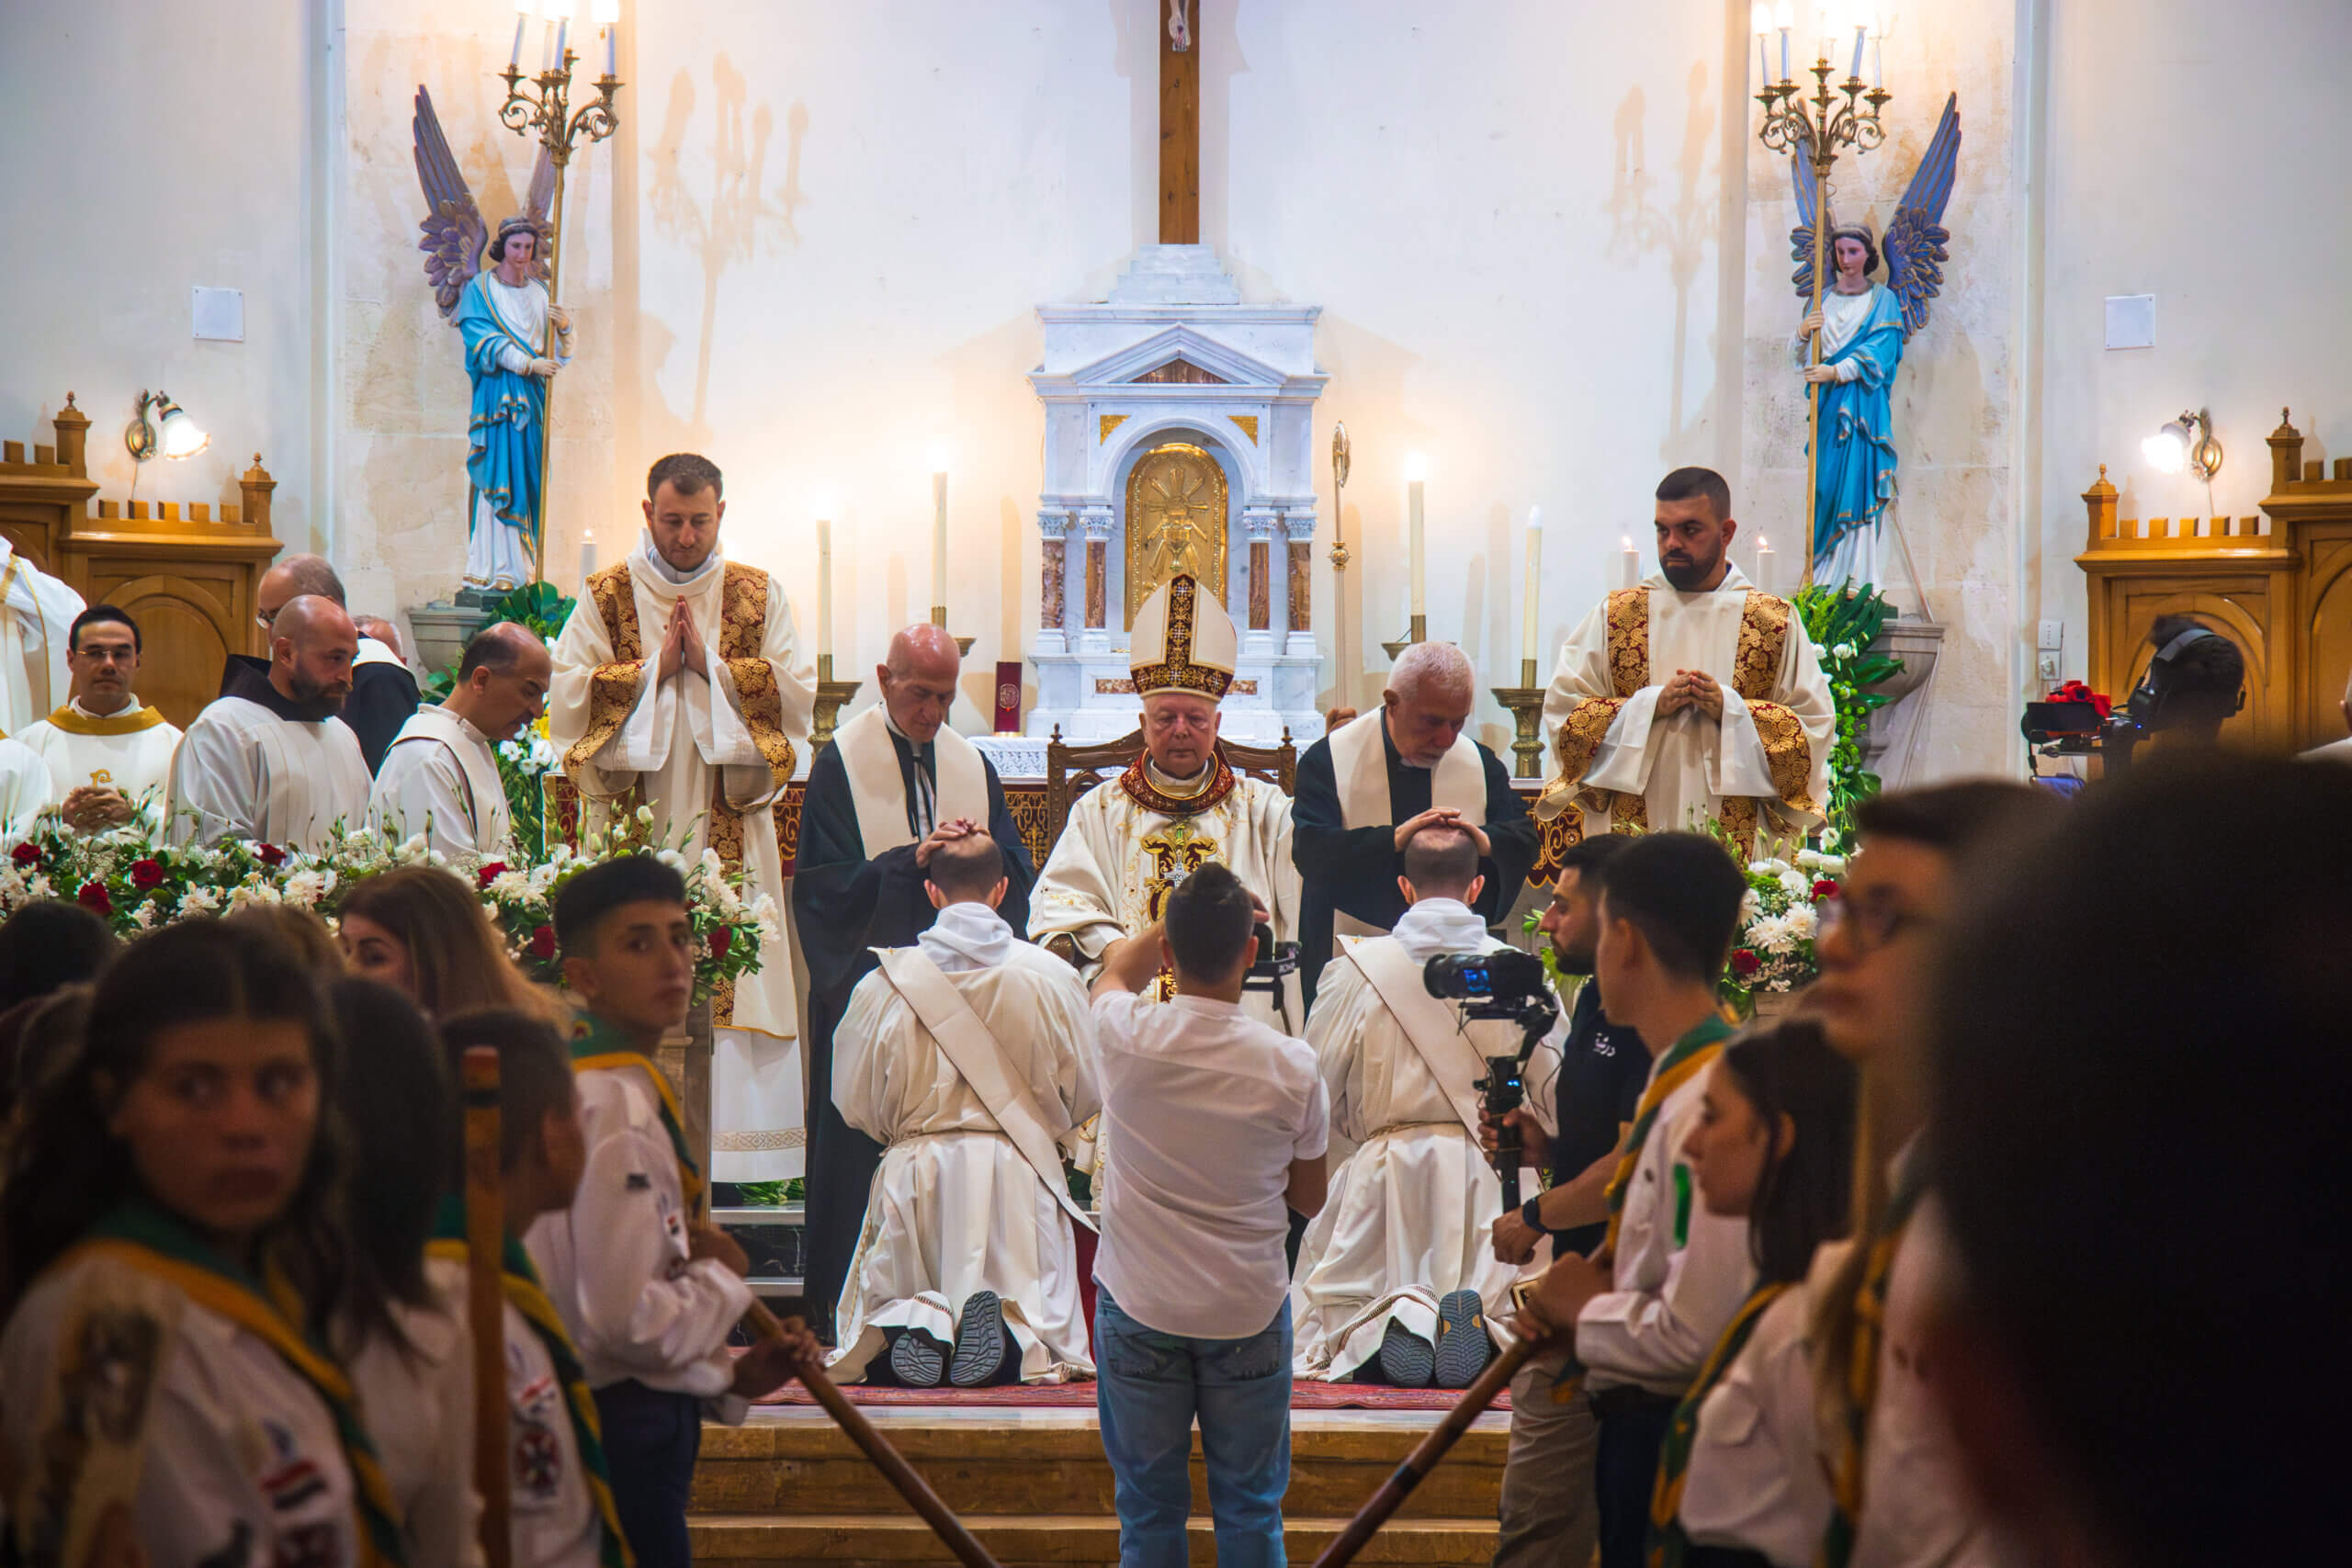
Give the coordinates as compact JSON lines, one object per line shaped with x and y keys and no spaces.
{"x":541,"y":106}
{"x":832,"y":697}
{"x":1525,"y":701}
{"x":1814,"y":127}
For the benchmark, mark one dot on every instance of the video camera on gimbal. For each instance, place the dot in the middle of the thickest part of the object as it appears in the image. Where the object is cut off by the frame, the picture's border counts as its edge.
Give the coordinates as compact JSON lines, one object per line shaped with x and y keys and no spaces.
{"x":1505,"y":986}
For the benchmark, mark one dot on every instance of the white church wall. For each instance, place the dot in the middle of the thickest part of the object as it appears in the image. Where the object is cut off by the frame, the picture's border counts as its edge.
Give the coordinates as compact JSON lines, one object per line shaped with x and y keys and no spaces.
{"x":147,"y":156}
{"x":2199,"y":156}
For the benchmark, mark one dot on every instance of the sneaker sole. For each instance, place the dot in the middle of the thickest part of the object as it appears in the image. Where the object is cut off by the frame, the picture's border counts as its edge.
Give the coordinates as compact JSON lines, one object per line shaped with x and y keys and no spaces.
{"x":917,"y":1360}
{"x":1406,"y":1358}
{"x":979,"y":1341}
{"x":1462,"y":1348}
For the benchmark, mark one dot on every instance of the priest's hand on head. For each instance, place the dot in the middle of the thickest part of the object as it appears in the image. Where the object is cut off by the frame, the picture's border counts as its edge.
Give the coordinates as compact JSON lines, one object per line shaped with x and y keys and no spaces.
{"x":945,"y":833}
{"x":1434,"y":816}
{"x":91,"y":808}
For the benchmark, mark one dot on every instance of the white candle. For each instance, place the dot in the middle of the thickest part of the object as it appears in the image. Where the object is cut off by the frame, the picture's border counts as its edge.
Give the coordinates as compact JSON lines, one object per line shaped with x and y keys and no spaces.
{"x":1413,"y":531}
{"x":514,"y":56}
{"x":563,"y":43}
{"x":1859,"y":30}
{"x":1784,"y":19}
{"x":612,"y":43}
{"x":1534,"y":576}
{"x":939,"y":540}
{"x":824,"y":588}
{"x":1629,"y":565}
{"x":587,"y":558}
{"x":1768,"y":566}
{"x":1878,"y":60}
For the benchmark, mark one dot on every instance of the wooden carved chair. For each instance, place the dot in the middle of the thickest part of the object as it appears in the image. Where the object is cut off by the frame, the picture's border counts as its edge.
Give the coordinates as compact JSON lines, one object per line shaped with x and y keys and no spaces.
{"x":1071,"y":771}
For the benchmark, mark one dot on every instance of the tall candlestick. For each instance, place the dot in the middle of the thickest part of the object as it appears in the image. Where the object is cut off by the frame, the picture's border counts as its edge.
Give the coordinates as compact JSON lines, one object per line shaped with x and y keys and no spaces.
{"x":1535,"y":579}
{"x":521,"y":18}
{"x":939,"y":544}
{"x":1629,"y":565}
{"x":1413,"y":536}
{"x":1768,"y":566}
{"x":824,"y":588}
{"x":611,"y":44}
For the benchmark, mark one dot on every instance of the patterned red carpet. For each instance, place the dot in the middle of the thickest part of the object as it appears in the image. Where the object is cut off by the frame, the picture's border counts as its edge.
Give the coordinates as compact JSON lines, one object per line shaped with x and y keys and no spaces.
{"x":1081,"y":1397}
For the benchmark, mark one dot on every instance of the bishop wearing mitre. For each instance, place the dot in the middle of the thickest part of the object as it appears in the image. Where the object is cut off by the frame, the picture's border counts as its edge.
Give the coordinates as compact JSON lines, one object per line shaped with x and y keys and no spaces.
{"x":1694,"y":698}
{"x":37,"y":614}
{"x":680,"y":687}
{"x":1177,"y":807}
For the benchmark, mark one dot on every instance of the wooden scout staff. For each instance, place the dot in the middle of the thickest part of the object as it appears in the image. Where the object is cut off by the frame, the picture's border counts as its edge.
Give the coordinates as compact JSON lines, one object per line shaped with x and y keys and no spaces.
{"x":486,"y":1300}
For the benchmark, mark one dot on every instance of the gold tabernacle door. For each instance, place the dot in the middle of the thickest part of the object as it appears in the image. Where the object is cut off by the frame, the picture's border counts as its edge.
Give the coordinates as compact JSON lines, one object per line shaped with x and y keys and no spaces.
{"x":1176,"y":501}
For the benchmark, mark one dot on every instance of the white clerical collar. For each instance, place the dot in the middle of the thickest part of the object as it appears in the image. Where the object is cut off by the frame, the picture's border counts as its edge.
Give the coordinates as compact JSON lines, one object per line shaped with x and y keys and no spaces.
{"x":1432,"y":926}
{"x":131,"y":708}
{"x":652,"y":558}
{"x":466,"y":727}
{"x":968,"y":935}
{"x":1175,"y":788}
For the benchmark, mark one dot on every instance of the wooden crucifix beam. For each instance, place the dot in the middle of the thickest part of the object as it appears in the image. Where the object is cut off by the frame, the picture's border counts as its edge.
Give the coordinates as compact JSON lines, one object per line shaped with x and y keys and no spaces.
{"x":1180,"y":127}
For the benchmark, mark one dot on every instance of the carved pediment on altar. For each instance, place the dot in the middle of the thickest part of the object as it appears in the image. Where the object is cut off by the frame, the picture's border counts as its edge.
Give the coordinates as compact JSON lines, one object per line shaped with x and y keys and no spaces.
{"x":1178,"y":355}
{"x":1179,"y":373}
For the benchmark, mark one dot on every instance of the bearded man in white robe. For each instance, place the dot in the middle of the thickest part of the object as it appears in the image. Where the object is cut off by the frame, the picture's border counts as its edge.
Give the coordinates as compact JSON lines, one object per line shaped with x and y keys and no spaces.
{"x":440,"y":775}
{"x":109,"y":756}
{"x":277,"y":763}
{"x":1693,"y":698}
{"x":37,"y":614}
{"x":1397,"y":1276}
{"x":1177,"y":807}
{"x":680,"y":686}
{"x":970,"y":1055}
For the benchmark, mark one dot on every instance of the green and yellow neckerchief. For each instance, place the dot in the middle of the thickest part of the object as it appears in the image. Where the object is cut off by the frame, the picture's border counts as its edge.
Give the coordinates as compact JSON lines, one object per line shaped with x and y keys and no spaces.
{"x":593,"y":1046}
{"x":1691,"y":1056}
{"x":520,"y":1281}
{"x":157,"y":1245}
{"x":1862,"y":1378}
{"x":1668,"y":1545}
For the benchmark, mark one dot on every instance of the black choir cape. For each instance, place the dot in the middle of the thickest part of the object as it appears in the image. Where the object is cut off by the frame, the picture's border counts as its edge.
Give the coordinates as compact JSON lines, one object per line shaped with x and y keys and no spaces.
{"x":843,"y":906}
{"x":383,"y":697}
{"x":1355,"y":869}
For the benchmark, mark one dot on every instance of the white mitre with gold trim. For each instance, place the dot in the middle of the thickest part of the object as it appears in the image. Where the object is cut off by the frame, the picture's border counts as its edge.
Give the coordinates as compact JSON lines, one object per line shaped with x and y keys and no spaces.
{"x":1184,"y":641}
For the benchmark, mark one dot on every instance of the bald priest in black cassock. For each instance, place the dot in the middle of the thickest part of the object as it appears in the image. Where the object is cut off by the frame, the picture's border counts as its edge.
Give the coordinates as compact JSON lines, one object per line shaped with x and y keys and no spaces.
{"x":891,"y":778}
{"x":1361,"y":783}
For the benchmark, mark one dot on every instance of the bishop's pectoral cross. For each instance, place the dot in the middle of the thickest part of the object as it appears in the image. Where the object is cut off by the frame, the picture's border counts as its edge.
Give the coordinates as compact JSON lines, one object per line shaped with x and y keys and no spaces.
{"x":1176,"y":853}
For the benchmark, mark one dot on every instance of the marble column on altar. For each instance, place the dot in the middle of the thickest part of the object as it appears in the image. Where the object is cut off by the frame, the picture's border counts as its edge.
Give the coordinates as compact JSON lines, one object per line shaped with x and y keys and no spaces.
{"x":1053,"y":583}
{"x":1298,"y":527}
{"x":1258,"y":527}
{"x":1097,"y":520}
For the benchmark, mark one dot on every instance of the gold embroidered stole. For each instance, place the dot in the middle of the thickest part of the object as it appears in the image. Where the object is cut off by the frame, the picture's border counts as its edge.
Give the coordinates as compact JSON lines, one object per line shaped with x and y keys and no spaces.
{"x":1580,"y":734}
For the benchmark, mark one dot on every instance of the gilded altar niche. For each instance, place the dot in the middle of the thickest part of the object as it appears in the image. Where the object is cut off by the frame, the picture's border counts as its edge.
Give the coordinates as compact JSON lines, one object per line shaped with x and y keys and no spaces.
{"x":1176,"y":521}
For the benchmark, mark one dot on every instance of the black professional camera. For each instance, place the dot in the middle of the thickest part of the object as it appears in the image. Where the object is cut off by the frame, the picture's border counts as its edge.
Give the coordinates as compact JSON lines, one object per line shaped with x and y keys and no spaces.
{"x":2154,"y":706}
{"x":1503,"y":985}
{"x":1273,"y":968}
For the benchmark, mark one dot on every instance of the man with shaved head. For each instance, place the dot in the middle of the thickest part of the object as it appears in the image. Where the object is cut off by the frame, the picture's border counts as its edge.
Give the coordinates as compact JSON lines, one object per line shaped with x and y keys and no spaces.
{"x":896,"y":784}
{"x":1367,"y":788}
{"x":440,"y":778}
{"x":277,"y":763}
{"x":383,"y":692}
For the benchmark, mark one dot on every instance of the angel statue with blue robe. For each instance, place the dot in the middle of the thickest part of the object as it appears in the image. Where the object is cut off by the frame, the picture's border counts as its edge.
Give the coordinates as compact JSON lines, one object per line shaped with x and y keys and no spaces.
{"x":1862,"y":327}
{"x":516,"y":339}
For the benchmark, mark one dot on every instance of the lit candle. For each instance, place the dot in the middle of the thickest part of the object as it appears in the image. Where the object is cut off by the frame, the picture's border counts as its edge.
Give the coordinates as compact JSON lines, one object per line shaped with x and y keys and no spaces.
{"x":1768,"y":566}
{"x":609,"y":16}
{"x":1629,"y":565}
{"x":1416,"y":469}
{"x":587,"y":558}
{"x":939,"y":541}
{"x":1534,"y":576}
{"x":1761,"y":19}
{"x":824,"y":588}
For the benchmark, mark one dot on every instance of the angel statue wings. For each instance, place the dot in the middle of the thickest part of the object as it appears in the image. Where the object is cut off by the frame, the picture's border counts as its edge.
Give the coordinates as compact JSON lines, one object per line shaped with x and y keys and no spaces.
{"x":504,"y":315}
{"x":1861,"y":328}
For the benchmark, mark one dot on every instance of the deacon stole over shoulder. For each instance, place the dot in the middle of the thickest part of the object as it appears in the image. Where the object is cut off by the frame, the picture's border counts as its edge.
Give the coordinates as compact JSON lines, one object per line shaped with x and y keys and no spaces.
{"x":870,"y":759}
{"x":492,"y":821}
{"x":1433,"y":1026}
{"x":1360,"y":767}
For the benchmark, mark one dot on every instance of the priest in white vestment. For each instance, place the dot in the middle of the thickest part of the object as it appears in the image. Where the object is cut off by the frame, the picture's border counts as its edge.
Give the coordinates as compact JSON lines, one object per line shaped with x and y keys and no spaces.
{"x":970,"y":1055}
{"x":37,"y":614}
{"x":1396,"y":1278}
{"x":24,"y":789}
{"x":109,"y":756}
{"x":1693,"y":698}
{"x":679,"y":685}
{"x":383,"y":691}
{"x":440,"y":776}
{"x":275,"y":763}
{"x":1178,"y":806}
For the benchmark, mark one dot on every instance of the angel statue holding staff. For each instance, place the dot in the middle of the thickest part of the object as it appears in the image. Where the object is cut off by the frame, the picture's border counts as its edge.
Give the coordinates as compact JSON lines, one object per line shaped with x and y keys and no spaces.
{"x":516,"y":339}
{"x":1849,"y":345}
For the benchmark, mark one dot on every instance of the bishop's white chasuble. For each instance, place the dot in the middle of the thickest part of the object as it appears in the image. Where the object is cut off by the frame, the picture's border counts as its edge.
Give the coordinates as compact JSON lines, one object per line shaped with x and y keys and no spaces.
{"x":1765,"y":764}
{"x":710,"y":756}
{"x":128,"y":751}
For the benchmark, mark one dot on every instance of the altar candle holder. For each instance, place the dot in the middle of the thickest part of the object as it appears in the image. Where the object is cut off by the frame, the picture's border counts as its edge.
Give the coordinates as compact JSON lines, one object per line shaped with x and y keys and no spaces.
{"x":832,"y":697}
{"x":1525,"y":701}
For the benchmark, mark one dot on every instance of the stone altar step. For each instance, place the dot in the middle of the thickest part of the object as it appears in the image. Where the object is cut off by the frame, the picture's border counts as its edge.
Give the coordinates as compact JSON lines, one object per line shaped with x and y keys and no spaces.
{"x":1047,"y":1540}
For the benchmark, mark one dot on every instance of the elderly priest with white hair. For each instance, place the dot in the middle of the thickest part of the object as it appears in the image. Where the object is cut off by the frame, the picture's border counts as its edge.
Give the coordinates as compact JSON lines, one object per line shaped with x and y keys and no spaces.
{"x":275,"y":762}
{"x":1177,"y":807}
{"x":680,"y":686}
{"x":1367,"y":788}
{"x":970,"y":1054}
{"x":440,"y":776}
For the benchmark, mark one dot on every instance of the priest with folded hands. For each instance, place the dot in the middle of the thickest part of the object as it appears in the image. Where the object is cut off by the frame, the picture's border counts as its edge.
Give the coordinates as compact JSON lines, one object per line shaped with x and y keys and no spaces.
{"x":970,"y":1055}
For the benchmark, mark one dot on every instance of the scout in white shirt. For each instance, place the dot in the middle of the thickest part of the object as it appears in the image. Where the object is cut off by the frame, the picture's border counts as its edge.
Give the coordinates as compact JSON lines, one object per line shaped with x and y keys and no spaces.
{"x":647,"y":1288}
{"x":273,"y":761}
{"x":440,"y":778}
{"x":109,"y":758}
{"x":1645,"y":1319}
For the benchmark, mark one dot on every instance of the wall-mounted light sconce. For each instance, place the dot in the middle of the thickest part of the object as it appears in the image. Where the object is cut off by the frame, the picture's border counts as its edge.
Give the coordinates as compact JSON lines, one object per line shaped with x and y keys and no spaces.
{"x":171,"y":433}
{"x":2184,"y":443}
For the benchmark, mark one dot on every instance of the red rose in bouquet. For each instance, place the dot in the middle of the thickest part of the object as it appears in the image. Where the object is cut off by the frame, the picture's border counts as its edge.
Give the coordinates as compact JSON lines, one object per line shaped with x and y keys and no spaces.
{"x":269,"y":854}
{"x":26,"y":854}
{"x":94,"y":898}
{"x":543,"y":942}
{"x":1823,"y":889}
{"x":490,"y":874}
{"x":146,"y":874}
{"x":721,"y":938}
{"x":1744,"y":962}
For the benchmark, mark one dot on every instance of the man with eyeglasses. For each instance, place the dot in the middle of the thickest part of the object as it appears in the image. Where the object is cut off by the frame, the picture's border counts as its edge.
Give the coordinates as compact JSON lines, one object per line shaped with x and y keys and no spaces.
{"x":895,"y":784}
{"x":383,"y":692}
{"x":108,"y":756}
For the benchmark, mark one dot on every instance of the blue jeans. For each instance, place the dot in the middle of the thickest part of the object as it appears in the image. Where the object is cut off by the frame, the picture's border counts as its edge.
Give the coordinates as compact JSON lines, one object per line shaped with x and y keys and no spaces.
{"x":651,"y":1439}
{"x":1153,"y":1384}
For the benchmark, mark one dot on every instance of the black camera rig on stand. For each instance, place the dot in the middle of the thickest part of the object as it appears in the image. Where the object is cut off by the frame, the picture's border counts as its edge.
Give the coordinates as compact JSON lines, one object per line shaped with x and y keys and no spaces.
{"x":1504,"y":986}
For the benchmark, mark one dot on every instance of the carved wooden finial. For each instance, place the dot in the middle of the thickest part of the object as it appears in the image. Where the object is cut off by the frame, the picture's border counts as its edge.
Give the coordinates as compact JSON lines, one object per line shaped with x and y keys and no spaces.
{"x":69,"y":400}
{"x":2102,"y":469}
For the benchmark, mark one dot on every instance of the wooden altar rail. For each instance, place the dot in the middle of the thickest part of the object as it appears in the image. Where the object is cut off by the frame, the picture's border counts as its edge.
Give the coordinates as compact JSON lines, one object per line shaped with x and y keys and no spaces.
{"x":2283,"y":595}
{"x":186,"y":574}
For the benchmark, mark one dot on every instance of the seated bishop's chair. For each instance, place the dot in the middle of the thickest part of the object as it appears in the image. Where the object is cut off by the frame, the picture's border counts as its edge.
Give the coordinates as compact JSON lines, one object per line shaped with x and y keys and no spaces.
{"x":1071,"y":771}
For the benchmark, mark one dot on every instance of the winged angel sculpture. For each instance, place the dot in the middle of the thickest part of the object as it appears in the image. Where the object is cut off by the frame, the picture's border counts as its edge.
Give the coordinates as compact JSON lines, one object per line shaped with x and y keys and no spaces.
{"x":1864,"y":327}
{"x":504,"y":315}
